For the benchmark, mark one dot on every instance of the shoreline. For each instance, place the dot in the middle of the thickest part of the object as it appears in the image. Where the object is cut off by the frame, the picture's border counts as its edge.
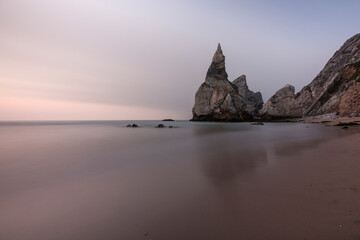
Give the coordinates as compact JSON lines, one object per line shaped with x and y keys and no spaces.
{"x":330,"y":120}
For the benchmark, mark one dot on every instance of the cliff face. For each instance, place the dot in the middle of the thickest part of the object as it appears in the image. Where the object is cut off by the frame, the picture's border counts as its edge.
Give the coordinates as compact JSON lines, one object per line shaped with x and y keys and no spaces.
{"x":336,"y":86}
{"x":217,"y":99}
{"x":334,"y":90}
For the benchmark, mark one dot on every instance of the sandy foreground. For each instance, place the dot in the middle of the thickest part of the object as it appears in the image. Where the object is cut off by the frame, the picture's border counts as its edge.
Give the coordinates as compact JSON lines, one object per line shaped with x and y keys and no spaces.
{"x":315,"y":194}
{"x":215,"y":186}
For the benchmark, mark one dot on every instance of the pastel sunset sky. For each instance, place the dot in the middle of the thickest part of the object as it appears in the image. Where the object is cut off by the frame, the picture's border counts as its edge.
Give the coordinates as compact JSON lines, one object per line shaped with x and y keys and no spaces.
{"x":139,"y":59}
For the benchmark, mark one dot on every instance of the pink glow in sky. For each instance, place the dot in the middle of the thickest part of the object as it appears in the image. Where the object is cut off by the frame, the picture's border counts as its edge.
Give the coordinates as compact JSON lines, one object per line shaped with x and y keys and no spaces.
{"x":90,"y":59}
{"x":42,"y":109}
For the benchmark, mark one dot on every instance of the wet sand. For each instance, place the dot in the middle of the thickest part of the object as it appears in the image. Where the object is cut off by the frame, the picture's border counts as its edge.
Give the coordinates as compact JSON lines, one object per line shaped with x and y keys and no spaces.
{"x":198,"y":181}
{"x":313,"y":194}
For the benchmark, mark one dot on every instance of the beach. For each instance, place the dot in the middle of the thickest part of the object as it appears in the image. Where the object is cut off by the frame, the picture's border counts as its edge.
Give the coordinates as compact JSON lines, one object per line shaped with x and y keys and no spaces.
{"x":101,"y":180}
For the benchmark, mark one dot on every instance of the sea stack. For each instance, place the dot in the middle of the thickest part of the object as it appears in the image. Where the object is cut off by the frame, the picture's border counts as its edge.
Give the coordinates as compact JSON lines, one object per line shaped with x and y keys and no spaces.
{"x":217,"y":99}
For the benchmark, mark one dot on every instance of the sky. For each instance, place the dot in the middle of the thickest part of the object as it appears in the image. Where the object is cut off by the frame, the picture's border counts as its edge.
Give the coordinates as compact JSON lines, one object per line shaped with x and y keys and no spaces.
{"x":140,"y":59}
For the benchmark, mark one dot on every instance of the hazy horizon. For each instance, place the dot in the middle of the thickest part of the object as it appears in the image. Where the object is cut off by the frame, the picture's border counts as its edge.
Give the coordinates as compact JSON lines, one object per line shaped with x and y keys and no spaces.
{"x":122,"y":60}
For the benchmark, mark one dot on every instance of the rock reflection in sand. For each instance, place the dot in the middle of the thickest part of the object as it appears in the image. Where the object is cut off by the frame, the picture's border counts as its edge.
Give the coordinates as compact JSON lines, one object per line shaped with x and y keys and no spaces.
{"x":223,"y":160}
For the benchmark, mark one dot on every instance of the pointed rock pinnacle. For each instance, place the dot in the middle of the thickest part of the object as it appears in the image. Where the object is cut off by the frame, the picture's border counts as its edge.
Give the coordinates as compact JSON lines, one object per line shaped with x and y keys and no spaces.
{"x":217,"y":67}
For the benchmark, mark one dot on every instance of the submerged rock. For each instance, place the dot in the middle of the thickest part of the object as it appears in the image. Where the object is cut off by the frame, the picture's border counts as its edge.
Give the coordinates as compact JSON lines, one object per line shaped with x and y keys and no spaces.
{"x":257,"y":123}
{"x":160,"y":126}
{"x":217,"y":99}
{"x":281,"y":105}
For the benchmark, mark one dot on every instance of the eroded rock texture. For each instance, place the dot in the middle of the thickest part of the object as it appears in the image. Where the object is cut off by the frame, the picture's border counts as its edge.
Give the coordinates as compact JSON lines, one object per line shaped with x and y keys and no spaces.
{"x":281,"y":105}
{"x":253,"y":101}
{"x":217,"y":99}
{"x":334,"y":88}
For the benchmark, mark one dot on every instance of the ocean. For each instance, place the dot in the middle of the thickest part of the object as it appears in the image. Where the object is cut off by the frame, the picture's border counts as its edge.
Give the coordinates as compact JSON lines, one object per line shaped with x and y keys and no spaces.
{"x":101,"y":180}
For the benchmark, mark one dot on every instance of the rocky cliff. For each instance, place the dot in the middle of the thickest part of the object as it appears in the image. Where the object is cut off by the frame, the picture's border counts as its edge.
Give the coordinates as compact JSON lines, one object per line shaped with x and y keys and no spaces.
{"x":334,"y":90}
{"x":336,"y":84}
{"x":217,"y":99}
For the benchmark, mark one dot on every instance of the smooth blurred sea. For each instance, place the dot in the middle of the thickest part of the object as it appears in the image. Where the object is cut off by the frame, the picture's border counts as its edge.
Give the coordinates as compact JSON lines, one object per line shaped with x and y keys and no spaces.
{"x":101,"y":180}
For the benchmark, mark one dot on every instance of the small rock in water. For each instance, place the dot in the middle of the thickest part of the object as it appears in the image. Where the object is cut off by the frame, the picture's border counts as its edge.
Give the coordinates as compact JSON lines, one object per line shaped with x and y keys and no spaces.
{"x":257,"y":123}
{"x":128,"y":125}
{"x":168,"y":120}
{"x":170,"y":126}
{"x":345,"y":127}
{"x":160,"y":126}
{"x":134,"y":126}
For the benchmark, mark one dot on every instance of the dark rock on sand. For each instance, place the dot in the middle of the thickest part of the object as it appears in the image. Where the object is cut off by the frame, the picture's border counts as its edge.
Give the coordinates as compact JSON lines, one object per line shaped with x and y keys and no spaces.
{"x":347,"y":124}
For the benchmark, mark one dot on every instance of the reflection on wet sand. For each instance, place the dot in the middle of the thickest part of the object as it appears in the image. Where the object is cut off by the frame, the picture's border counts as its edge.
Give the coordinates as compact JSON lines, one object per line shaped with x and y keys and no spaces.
{"x":295,"y":148}
{"x":225,"y":162}
{"x":223,"y":156}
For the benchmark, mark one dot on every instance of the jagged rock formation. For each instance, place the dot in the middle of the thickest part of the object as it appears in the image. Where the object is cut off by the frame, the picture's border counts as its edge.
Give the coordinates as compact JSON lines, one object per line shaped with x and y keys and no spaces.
{"x":253,"y":101}
{"x":217,"y":99}
{"x":281,"y":105}
{"x":335,"y":88}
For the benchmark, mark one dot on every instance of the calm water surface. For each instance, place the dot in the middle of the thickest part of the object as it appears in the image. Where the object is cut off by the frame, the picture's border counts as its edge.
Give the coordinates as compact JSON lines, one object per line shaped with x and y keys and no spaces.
{"x":101,"y":180}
